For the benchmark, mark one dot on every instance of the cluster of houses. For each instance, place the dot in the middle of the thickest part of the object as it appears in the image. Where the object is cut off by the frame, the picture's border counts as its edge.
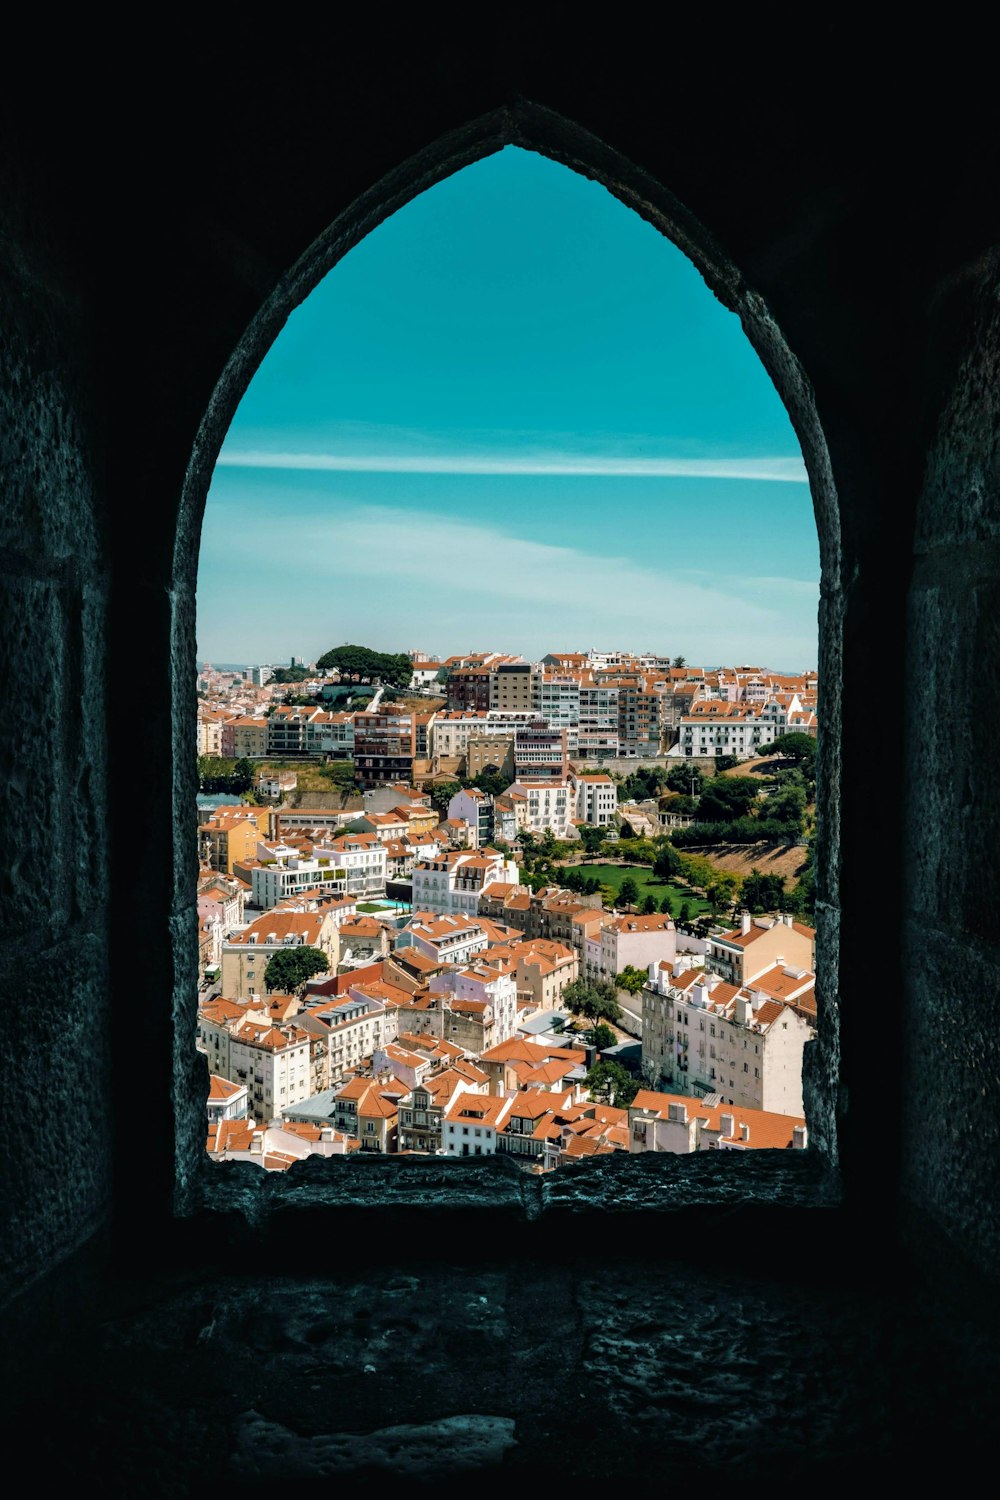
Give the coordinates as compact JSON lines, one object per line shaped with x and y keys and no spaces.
{"x":526,"y":719}
{"x":442,"y":1028}
{"x":434,"y":1020}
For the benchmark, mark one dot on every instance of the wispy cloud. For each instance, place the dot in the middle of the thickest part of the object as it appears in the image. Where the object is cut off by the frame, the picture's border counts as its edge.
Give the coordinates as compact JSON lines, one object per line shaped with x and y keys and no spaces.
{"x":391,"y":575}
{"x":554,"y":464}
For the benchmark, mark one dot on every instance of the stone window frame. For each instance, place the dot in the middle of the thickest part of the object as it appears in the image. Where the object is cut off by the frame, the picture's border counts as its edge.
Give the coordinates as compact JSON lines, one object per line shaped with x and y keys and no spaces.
{"x":617,"y":1182}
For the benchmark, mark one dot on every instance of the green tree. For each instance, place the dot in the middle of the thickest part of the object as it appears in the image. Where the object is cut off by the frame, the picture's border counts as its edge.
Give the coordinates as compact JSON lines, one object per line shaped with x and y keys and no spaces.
{"x":667,"y":907}
{"x":491,"y":781}
{"x":592,"y":838}
{"x":680,"y":661}
{"x":787,"y":805}
{"x":602,"y":1037}
{"x":762,"y":892}
{"x":628,"y":894}
{"x":725,"y":763}
{"x":726,"y":798}
{"x":667,"y":862}
{"x":610,"y":1082}
{"x":631,"y":979}
{"x":288,"y":970}
{"x":796,"y":747}
{"x":680,"y":777}
{"x":722,"y":891}
{"x":442,"y":794}
{"x":685,"y":913}
{"x":649,"y":905}
{"x":594,"y":999}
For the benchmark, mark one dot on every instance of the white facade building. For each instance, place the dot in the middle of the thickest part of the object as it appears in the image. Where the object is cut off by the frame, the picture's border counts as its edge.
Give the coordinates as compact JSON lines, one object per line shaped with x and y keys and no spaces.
{"x":596,"y":798}
{"x":548,"y":804}
{"x":455,"y":881}
{"x":702,"y":1035}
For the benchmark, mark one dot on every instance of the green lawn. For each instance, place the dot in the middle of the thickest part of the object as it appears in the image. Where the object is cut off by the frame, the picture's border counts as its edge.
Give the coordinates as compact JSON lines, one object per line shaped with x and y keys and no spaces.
{"x":649,"y":884}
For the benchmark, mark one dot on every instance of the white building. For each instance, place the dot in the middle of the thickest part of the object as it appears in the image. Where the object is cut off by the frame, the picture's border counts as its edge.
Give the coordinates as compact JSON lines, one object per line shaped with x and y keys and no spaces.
{"x":360,"y":1023}
{"x":704,"y":1036}
{"x":716,"y":728}
{"x":596,"y":798}
{"x":637,"y":941}
{"x":483,"y":983}
{"x":548,"y":804}
{"x":456,"y":879}
{"x":273,"y":1063}
{"x":452,"y":939}
{"x":672,"y":1122}
{"x":472,"y":1122}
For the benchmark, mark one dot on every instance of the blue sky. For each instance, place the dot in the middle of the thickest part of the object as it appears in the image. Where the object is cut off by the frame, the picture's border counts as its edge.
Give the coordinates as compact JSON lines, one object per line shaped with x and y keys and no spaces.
{"x":513,"y":418}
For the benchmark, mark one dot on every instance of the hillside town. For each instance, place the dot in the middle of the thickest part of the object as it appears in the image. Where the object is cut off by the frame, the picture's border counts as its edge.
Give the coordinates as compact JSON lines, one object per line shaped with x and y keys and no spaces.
{"x":476,"y":906}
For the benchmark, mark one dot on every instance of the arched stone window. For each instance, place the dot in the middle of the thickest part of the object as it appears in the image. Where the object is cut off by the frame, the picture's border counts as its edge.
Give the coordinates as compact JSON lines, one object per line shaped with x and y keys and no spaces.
{"x":683,"y":1179}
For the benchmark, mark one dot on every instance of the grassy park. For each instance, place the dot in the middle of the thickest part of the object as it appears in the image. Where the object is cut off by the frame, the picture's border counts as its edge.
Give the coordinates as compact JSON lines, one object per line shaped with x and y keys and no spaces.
{"x":649,"y":884}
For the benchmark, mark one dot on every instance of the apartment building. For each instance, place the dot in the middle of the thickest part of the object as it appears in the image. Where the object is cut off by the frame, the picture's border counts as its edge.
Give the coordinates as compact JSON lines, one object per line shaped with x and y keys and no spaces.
{"x":515,"y":687}
{"x":456,"y":880}
{"x":244,"y":738}
{"x":453,"y":938}
{"x":388,"y":742}
{"x":757,"y":944}
{"x":272,"y":1062}
{"x":471,"y":1124}
{"x":596,"y":798}
{"x":364,"y":1019}
{"x":422,"y":1112}
{"x":547,"y":804}
{"x":703,"y":1036}
{"x":638,"y":941}
{"x":540,"y":752}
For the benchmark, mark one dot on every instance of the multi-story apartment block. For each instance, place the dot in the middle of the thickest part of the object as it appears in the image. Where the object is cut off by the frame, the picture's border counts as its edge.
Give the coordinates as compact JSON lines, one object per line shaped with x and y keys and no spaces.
{"x":515,"y":687}
{"x":286,"y":729}
{"x":673,"y":1122}
{"x":455,"y":881}
{"x":597,"y":734}
{"x":475,"y":808}
{"x":485,"y":752}
{"x":226,"y":839}
{"x":719,"y":728}
{"x":704,"y":1036}
{"x":548,"y":804}
{"x":559,"y":704}
{"x":244,"y":738}
{"x":596,"y":798}
{"x":421,"y":1113}
{"x":540,"y":752}
{"x":452,"y":939}
{"x":387,"y":742}
{"x":453,"y":729}
{"x":468,"y":688}
{"x":364,"y":1019}
{"x":272,"y":1062}
{"x":330,"y":734}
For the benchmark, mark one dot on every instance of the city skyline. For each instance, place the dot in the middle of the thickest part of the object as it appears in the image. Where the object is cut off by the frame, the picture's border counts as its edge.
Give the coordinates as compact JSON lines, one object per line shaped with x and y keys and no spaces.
{"x":512,"y":418}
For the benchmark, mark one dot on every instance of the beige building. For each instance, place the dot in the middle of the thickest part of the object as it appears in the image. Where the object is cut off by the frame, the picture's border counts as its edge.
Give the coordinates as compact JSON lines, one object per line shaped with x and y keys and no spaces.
{"x":246,"y":954}
{"x":543,"y":970}
{"x":757,"y":944}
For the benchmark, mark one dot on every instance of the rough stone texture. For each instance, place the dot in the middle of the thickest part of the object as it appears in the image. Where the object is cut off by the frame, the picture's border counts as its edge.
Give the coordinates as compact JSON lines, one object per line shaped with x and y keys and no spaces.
{"x":34,"y":888}
{"x":582,"y":1372}
{"x":55,"y":1064}
{"x":960,"y":500}
{"x":954,"y":715}
{"x":952,"y":1128}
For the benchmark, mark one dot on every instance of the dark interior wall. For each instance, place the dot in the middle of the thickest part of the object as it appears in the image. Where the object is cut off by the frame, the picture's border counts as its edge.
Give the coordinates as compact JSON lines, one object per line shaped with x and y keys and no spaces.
{"x":149,"y":220}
